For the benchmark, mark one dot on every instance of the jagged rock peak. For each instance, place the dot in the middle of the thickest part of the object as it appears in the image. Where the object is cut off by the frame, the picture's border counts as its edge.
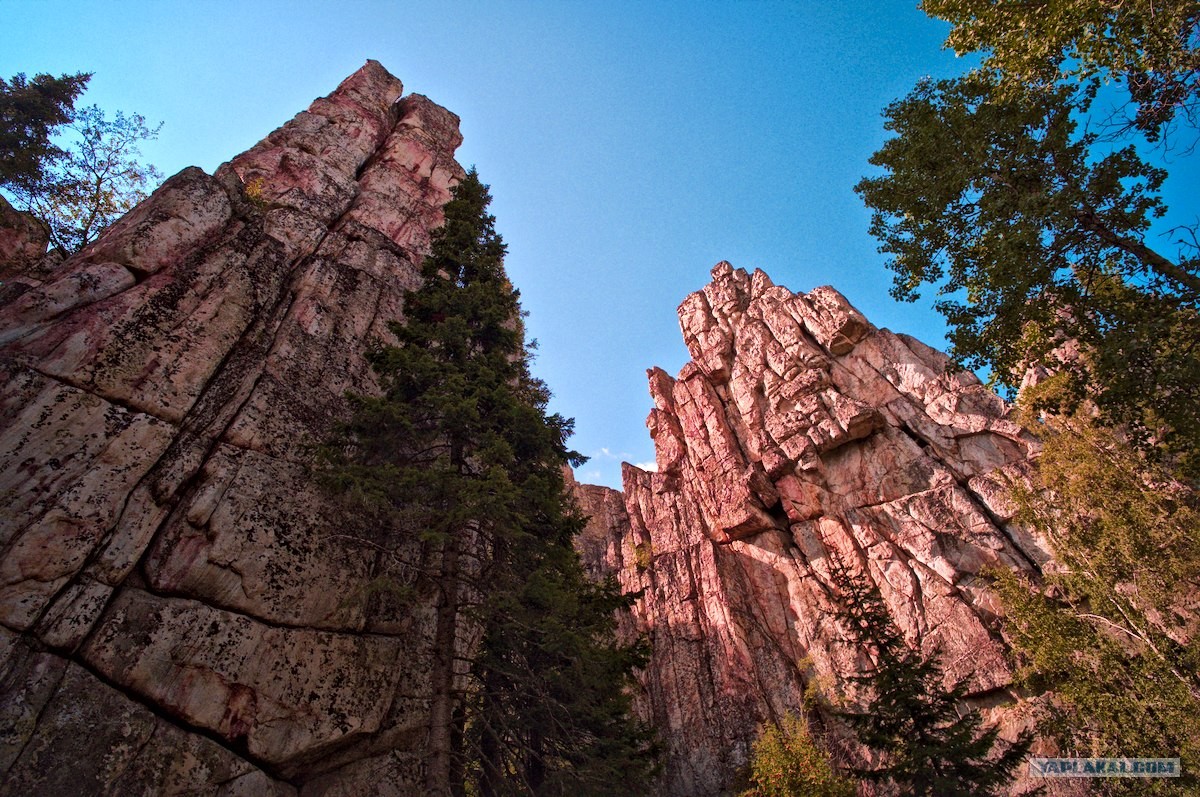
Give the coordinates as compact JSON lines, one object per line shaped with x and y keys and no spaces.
{"x":799,"y":431}
{"x":181,"y":609}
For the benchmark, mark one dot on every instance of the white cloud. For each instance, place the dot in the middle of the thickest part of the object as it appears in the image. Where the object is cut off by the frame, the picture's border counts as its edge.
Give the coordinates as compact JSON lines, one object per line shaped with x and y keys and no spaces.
{"x":651,"y":466}
{"x":608,"y":453}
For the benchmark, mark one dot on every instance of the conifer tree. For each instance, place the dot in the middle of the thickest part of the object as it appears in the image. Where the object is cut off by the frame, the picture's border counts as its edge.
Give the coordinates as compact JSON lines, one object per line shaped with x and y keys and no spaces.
{"x":931,"y":745}
{"x":30,"y":111}
{"x":460,"y":453}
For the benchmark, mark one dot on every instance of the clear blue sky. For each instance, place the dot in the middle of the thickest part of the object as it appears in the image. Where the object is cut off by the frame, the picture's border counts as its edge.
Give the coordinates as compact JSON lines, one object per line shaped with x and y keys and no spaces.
{"x":629,"y":146}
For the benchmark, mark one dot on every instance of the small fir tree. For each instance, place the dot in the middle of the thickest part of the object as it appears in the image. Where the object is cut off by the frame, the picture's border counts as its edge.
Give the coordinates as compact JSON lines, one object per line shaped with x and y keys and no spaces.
{"x":930,"y":744}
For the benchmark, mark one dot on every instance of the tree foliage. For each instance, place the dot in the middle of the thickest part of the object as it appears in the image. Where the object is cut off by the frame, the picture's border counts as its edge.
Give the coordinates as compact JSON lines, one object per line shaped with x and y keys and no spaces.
{"x":786,"y":761}
{"x":550,"y":714}
{"x":30,"y":112}
{"x":1112,"y":631}
{"x":1150,"y":46}
{"x":930,"y":742}
{"x":76,"y":171}
{"x":1030,"y":238}
{"x":460,"y":453}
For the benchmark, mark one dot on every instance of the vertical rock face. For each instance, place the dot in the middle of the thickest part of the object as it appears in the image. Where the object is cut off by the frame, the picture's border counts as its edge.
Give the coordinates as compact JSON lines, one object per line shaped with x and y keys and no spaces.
{"x":181,"y":611}
{"x":799,"y":432}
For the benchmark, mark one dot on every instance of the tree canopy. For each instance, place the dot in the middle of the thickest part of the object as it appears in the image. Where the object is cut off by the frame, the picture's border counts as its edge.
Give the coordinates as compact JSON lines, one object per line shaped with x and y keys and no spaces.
{"x":1152,"y":47}
{"x":1011,"y":193}
{"x":1001,"y":191}
{"x":30,"y":112}
{"x":1112,"y":632}
{"x":76,"y":171}
{"x":1031,"y":238}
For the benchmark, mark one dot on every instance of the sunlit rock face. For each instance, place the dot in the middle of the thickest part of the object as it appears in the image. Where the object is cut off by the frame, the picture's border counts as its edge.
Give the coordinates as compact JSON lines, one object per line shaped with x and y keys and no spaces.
{"x":799,"y":432}
{"x":181,"y":609}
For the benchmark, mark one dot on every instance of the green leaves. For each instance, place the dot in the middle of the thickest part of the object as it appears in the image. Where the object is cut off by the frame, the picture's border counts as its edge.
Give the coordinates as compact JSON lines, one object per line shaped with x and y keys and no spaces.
{"x":786,"y":761}
{"x":1032,"y":236}
{"x":30,"y":112}
{"x":1151,"y":46}
{"x":1112,"y":631}
{"x":75,"y":171}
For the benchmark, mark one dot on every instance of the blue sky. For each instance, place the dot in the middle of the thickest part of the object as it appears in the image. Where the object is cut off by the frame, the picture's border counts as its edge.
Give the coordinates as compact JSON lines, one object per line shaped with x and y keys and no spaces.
{"x":629,"y":145}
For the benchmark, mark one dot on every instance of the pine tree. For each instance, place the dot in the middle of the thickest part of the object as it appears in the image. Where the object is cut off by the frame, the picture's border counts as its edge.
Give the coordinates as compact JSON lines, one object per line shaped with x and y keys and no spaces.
{"x":931,"y":746}
{"x":460,"y":453}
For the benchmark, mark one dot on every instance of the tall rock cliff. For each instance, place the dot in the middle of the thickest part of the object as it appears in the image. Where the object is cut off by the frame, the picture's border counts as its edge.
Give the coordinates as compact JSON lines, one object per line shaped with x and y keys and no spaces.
{"x":181,"y":610}
{"x":799,"y":432}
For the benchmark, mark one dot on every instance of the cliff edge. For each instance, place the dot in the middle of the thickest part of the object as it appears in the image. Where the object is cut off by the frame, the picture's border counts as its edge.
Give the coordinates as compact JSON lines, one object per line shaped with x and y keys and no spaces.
{"x":800,"y":431}
{"x":181,"y":612}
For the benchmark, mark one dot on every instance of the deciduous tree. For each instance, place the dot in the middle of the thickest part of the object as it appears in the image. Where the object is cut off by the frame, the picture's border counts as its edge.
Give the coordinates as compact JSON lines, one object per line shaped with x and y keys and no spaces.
{"x":787,"y":762}
{"x":1113,"y":632}
{"x":1030,"y":237}
{"x":76,"y":172}
{"x":1150,"y":46}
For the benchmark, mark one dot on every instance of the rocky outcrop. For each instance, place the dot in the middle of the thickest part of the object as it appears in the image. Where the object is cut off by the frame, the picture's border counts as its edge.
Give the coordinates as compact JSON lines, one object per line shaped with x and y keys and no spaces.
{"x":799,"y":432}
{"x":23,"y":242}
{"x":181,"y":610}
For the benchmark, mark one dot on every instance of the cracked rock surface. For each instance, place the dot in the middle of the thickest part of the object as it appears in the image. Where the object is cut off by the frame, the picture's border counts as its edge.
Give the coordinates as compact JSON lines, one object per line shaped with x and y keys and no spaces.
{"x":177,"y":612}
{"x":798,"y":432}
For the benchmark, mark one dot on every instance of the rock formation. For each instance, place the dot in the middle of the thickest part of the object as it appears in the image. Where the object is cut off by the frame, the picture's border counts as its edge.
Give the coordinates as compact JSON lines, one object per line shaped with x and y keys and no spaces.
{"x":799,"y":432}
{"x":181,"y":610}
{"x":23,"y":241}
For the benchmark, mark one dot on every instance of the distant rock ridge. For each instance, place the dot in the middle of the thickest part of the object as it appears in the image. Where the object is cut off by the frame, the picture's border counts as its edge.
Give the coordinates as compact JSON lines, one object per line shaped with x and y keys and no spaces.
{"x":181,"y":612}
{"x":797,"y":431}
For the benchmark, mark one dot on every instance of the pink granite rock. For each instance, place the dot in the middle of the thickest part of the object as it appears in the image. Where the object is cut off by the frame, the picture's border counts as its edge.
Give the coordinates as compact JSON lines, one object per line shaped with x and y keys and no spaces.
{"x":167,"y":559}
{"x":23,"y":241}
{"x":799,"y":432}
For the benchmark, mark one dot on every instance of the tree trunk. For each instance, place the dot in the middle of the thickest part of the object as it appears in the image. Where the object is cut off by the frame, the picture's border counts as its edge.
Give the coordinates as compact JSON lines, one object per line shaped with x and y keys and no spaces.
{"x":1089,"y":220}
{"x":535,"y":762}
{"x":489,"y":745}
{"x":441,"y":709}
